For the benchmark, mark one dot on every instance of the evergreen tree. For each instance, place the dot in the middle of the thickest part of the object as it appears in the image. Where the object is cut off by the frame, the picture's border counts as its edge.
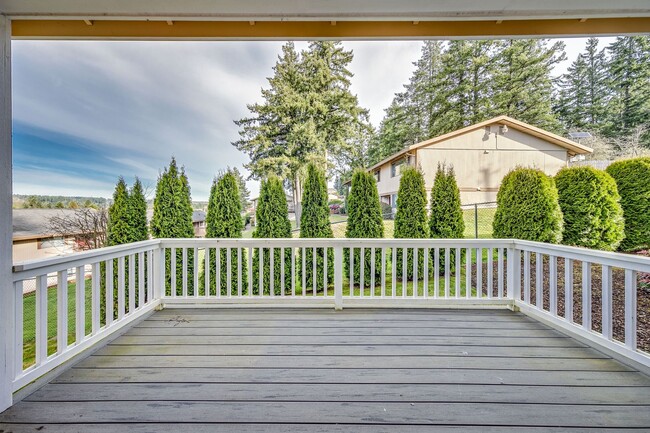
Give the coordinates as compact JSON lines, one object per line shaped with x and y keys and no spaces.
{"x":583,"y":90}
{"x":629,"y":75}
{"x":172,"y":218}
{"x":522,"y":81}
{"x":589,"y":200}
{"x":466,"y":89}
{"x":137,"y":214}
{"x":411,"y":218}
{"x":272,"y":221}
{"x":446,"y":220}
{"x":119,"y":223}
{"x":244,"y":193}
{"x":308,"y":114}
{"x":528,"y":207}
{"x":223,"y":220}
{"x":315,"y":223}
{"x":632,"y":180}
{"x":364,"y":221}
{"x":137,"y":210}
{"x":118,"y":232}
{"x":571,"y":105}
{"x":466,"y":82}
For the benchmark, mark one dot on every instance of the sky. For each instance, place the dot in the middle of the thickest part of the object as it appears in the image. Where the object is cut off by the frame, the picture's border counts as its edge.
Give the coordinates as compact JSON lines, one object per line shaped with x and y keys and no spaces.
{"x":86,"y":112}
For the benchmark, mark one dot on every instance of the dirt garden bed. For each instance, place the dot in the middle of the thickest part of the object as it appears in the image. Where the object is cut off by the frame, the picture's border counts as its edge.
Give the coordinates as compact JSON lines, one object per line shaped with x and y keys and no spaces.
{"x":618,"y":296}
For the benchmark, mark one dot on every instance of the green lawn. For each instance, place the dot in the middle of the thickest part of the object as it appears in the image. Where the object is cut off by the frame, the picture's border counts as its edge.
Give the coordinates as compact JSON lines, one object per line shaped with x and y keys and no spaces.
{"x":29,"y":320}
{"x":485,"y":218}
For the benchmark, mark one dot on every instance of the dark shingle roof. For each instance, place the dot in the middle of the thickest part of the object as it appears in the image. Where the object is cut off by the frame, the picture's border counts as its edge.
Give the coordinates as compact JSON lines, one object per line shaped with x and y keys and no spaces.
{"x":35,"y":222}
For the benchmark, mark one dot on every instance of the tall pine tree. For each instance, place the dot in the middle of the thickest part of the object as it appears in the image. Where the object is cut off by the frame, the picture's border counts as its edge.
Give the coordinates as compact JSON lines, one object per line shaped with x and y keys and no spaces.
{"x":308,"y":114}
{"x":629,"y":75}
{"x":583,"y":91}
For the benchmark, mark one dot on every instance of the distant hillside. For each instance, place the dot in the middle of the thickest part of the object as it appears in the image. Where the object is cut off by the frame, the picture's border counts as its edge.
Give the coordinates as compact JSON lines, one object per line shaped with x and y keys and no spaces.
{"x":21,"y":201}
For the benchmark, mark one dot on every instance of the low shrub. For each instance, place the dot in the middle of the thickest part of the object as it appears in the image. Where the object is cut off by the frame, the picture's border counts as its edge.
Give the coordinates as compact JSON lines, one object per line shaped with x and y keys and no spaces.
{"x":632,"y":178}
{"x":528,"y":207}
{"x":589,"y":200}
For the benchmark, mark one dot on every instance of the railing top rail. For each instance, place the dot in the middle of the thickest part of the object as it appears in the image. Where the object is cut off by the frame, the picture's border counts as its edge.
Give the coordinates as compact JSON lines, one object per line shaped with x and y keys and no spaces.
{"x":336,"y":242}
{"x":620,"y":260}
{"x":91,"y":256}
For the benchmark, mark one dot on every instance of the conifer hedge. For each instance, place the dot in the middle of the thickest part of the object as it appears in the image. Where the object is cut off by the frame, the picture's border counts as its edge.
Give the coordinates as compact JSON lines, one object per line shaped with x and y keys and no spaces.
{"x":272,"y":221}
{"x":632,"y":178}
{"x":172,"y":218}
{"x":315,"y":223}
{"x":411,"y":218}
{"x":364,"y":221}
{"x":589,"y":200}
{"x":223,"y":220}
{"x":446,"y":218}
{"x":528,"y":208}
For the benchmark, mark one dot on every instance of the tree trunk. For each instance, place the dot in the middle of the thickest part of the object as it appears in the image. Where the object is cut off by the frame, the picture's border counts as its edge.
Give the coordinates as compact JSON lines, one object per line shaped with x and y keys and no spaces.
{"x":297,"y":199}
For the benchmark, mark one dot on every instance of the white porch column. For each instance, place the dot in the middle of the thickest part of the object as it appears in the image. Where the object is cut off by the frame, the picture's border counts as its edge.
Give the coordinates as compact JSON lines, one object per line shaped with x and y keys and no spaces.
{"x":6,"y":285}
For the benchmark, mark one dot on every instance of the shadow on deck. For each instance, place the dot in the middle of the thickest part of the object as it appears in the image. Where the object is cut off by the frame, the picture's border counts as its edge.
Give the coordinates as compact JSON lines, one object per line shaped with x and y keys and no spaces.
{"x":297,"y":370}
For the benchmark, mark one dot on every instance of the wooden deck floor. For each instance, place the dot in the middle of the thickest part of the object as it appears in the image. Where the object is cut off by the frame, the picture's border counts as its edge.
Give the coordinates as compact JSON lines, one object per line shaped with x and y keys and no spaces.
{"x":355,"y":370}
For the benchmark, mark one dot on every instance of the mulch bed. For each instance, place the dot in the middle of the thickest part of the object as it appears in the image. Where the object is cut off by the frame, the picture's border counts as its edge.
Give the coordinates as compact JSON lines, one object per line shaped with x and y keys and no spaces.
{"x":618,"y":296}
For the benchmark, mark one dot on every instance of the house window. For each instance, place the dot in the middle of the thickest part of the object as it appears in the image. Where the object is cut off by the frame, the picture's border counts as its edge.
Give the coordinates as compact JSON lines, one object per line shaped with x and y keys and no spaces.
{"x":377,"y":174}
{"x":51,"y":243}
{"x":397,"y":167}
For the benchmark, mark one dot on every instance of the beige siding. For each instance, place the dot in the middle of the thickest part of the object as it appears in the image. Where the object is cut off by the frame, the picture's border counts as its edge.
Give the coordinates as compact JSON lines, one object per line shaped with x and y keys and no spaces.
{"x":481,"y":161}
{"x":28,"y":250}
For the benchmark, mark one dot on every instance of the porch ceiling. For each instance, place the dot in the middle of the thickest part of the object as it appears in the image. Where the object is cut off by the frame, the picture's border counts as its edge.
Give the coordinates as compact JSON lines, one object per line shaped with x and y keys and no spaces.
{"x":309,"y":19}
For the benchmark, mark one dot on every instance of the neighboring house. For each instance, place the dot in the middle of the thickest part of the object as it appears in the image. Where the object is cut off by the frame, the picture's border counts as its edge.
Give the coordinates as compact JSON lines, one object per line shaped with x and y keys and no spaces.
{"x":32,"y":238}
{"x":481,"y":154}
{"x":253,"y":206}
{"x":198,"y":220}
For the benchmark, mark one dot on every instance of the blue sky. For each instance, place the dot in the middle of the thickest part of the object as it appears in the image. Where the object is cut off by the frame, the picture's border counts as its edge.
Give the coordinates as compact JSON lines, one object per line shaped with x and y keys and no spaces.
{"x":87,"y":112}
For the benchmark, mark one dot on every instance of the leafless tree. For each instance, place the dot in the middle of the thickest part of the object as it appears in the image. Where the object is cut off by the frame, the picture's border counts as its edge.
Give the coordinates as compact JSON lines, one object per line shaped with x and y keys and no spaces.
{"x":631,"y":145}
{"x":86,"y":225}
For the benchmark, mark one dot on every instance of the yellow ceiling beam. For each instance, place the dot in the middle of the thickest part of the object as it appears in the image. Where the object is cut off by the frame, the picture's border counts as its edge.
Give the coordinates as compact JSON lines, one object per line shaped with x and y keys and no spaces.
{"x":133,"y":29}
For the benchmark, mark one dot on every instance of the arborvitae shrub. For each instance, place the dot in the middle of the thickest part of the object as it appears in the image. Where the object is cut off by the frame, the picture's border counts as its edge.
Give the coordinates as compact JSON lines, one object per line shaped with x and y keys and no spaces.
{"x":272,"y":221}
{"x":411,"y":218}
{"x":137,"y":210}
{"x":172,"y":218}
{"x":589,"y":200}
{"x":223,"y":220}
{"x":528,"y":208}
{"x":364,"y":221}
{"x":315,"y":223}
{"x":119,"y":230}
{"x":632,"y":178}
{"x":446,"y":218}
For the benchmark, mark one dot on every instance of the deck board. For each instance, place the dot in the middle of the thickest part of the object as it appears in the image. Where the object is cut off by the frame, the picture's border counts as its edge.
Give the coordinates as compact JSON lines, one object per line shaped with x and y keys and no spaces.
{"x":298,"y":370}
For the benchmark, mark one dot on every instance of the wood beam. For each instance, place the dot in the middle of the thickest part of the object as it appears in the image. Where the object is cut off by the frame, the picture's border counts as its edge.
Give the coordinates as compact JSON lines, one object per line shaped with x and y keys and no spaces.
{"x":133,"y":29}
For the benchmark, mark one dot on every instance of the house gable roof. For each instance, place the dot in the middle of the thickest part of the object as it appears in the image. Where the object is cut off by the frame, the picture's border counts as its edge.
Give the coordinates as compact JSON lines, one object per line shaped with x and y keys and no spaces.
{"x":572,"y":147}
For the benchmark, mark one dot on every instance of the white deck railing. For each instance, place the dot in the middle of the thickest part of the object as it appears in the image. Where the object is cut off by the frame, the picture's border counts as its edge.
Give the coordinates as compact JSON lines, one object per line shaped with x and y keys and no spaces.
{"x":544,"y":281}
